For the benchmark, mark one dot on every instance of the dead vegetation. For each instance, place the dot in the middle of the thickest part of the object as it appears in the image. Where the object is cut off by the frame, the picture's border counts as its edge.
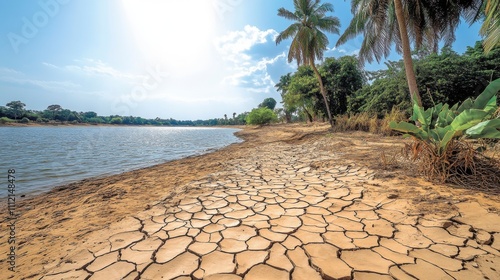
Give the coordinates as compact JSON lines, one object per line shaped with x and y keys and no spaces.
{"x":369,"y":122}
{"x":461,"y":164}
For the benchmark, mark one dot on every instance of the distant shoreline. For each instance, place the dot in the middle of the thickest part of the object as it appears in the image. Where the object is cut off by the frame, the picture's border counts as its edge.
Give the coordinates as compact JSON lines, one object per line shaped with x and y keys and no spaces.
{"x":111,"y":125}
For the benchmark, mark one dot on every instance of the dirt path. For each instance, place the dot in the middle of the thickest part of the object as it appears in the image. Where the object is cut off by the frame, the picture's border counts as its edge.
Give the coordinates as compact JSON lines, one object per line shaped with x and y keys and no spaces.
{"x":293,"y":202}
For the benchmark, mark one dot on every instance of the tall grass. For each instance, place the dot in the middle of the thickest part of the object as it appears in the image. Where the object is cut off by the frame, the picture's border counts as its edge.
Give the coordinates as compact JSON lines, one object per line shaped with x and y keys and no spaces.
{"x":369,"y":122}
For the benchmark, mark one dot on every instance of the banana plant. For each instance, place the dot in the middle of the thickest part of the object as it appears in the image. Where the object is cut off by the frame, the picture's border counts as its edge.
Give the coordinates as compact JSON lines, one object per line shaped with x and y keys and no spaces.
{"x":441,"y":123}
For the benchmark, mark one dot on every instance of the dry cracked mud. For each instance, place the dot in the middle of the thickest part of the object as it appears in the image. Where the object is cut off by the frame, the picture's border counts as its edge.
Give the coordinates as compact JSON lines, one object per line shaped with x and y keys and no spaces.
{"x":274,"y":215}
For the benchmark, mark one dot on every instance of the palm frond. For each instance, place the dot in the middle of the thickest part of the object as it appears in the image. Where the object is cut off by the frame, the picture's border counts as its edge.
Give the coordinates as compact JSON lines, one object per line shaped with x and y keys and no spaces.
{"x":288,"y":33}
{"x":427,"y":23}
{"x":324,"y":8}
{"x":282,"y":12}
{"x":491,"y":25}
{"x":329,"y":24}
{"x":355,"y":28}
{"x":309,"y":42}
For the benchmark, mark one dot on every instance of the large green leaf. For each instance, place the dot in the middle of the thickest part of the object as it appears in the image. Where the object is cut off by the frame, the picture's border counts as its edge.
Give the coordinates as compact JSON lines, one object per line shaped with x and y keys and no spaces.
{"x":419,"y":115}
{"x":485,"y":97}
{"x":446,"y":139}
{"x":445,"y":117}
{"x":434,"y":136}
{"x":436,"y":110}
{"x":410,"y":129}
{"x":442,"y":131}
{"x":486,"y":129}
{"x":491,"y":107}
{"x":468,"y":119}
{"x":467,"y":104}
{"x":488,"y":133}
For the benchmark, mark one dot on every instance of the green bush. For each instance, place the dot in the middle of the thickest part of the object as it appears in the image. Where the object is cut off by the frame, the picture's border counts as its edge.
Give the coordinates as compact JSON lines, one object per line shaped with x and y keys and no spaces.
{"x":260,"y":116}
{"x":24,"y":120}
{"x":442,"y":124}
{"x":95,"y":120}
{"x":5,"y":120}
{"x":116,"y":120}
{"x":439,"y":133}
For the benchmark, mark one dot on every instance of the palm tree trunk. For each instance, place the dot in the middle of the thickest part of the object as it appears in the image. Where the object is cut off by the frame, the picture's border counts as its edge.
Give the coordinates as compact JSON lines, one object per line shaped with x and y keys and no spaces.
{"x":405,"y":45}
{"x":323,"y":92}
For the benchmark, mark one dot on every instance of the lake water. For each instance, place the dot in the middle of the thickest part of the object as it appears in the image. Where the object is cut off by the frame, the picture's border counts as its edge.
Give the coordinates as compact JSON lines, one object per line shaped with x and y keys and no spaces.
{"x":44,"y":157}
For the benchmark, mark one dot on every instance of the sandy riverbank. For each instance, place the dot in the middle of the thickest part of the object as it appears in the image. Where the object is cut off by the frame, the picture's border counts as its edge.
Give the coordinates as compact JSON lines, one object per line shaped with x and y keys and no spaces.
{"x":52,"y":226}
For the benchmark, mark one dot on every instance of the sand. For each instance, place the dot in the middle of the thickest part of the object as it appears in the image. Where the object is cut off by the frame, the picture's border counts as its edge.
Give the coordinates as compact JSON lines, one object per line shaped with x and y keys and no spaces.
{"x":55,"y":226}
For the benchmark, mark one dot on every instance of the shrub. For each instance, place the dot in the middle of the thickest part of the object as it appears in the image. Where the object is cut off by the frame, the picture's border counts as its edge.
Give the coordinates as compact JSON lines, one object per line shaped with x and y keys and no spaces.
{"x":116,"y":120}
{"x":439,"y":140}
{"x":24,"y":120}
{"x":261,"y":116}
{"x":5,"y":120}
{"x":95,"y":120}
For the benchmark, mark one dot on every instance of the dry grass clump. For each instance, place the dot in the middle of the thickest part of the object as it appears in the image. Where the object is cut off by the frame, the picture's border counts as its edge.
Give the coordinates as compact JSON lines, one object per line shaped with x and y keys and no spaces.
{"x":358,"y":122}
{"x":460,"y":164}
{"x":395,"y":115}
{"x":369,"y":122}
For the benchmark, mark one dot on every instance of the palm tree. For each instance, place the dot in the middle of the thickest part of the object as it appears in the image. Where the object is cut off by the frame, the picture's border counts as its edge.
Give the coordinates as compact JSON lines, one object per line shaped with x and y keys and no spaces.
{"x":384,"y":22}
{"x":491,"y":25}
{"x":309,"y":41}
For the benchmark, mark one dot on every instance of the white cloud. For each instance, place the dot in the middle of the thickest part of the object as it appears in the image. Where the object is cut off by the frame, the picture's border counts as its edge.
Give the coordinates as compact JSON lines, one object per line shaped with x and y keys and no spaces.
{"x":234,"y":45}
{"x":9,"y":71}
{"x":331,"y":50}
{"x":335,"y":49}
{"x":246,"y":70}
{"x":97,"y":68}
{"x":50,"y":65}
{"x":342,"y":51}
{"x":47,"y":85}
{"x":255,"y":77}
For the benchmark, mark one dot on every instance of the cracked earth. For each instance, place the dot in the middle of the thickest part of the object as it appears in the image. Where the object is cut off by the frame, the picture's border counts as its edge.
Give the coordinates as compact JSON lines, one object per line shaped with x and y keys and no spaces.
{"x":274,"y":215}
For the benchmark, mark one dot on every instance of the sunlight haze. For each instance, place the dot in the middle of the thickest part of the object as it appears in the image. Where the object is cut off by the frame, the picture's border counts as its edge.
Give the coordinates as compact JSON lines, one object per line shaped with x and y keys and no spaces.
{"x":189,"y":59}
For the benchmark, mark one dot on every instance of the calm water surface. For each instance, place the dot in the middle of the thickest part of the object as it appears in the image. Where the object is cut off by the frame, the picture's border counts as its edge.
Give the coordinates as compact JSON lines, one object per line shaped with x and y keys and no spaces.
{"x":44,"y":157}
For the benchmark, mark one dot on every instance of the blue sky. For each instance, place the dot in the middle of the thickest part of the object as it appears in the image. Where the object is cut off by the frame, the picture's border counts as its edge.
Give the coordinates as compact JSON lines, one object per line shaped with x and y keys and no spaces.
{"x":184,"y":59}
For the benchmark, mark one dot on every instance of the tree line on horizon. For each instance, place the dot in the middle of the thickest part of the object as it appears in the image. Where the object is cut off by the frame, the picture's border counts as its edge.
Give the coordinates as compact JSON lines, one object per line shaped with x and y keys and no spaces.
{"x":15,"y":111}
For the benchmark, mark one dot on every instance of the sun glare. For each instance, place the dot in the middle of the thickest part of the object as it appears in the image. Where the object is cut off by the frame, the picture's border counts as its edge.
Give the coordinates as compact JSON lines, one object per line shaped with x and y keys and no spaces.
{"x":177,"y":33}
